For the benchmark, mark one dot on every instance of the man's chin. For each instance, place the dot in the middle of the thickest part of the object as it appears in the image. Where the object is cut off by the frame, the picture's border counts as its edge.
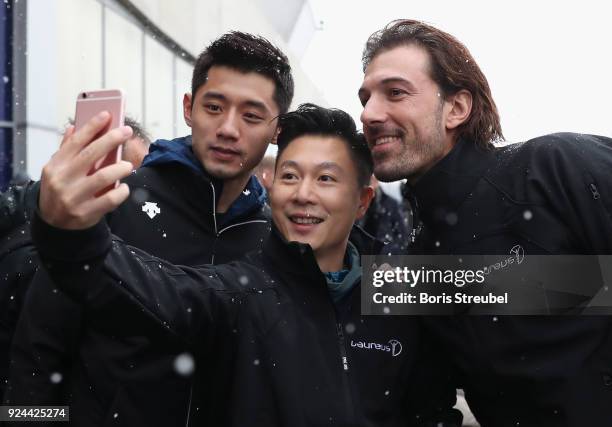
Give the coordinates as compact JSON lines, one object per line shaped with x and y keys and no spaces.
{"x":222,"y":173}
{"x":388,"y":174}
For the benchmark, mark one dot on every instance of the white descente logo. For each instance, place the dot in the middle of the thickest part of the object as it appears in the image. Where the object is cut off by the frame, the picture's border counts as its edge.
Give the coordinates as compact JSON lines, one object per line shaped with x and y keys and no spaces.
{"x":393,"y":346}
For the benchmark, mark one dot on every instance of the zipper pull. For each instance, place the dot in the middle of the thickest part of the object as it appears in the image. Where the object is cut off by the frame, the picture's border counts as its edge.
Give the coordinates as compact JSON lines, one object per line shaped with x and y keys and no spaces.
{"x":594,"y":191}
{"x":343,"y":357}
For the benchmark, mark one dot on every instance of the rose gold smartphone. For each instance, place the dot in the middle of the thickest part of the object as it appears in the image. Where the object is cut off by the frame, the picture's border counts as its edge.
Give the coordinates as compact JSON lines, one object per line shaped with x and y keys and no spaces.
{"x":88,"y":105}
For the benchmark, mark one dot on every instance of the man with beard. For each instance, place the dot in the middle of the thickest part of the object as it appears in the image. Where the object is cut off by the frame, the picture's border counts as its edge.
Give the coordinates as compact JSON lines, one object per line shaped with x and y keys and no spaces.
{"x":429,"y":117}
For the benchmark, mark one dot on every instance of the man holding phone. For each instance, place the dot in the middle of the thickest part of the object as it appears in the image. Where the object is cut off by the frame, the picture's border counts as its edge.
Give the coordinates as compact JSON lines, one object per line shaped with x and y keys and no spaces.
{"x":193,"y":202}
{"x":287,"y":318}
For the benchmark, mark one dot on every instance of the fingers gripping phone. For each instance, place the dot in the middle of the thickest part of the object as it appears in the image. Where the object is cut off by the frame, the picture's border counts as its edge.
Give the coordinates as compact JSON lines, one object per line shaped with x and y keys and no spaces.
{"x":88,"y":105}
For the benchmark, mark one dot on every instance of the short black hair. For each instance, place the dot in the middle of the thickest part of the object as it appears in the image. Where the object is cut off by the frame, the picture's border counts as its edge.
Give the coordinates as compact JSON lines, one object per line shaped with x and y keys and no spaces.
{"x":138,"y":130}
{"x":310,"y":119}
{"x":247,"y":53}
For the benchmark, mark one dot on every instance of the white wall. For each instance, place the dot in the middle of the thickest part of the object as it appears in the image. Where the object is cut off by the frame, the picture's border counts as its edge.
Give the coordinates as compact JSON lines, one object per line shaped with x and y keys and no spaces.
{"x":76,"y":45}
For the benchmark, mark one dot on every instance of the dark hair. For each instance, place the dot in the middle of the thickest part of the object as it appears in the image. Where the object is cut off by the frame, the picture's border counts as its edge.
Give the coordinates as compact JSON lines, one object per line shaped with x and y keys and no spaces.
{"x":452,"y":67}
{"x":138,"y":130}
{"x":310,"y":119}
{"x":247,"y":53}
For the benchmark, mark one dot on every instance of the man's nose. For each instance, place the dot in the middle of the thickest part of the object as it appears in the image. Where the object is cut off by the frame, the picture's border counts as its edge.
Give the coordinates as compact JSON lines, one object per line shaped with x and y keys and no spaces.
{"x":229,"y":126}
{"x":304,"y":192}
{"x":373,"y":112}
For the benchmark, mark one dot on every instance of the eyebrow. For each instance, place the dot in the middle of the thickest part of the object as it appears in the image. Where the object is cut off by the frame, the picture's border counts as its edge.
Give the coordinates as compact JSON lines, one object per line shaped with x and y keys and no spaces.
{"x":249,"y":102}
{"x":323,"y":165}
{"x":395,"y":79}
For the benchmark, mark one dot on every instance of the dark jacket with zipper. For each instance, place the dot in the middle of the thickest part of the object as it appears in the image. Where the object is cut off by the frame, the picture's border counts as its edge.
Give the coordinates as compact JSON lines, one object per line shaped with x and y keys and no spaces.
{"x":550,"y":195}
{"x":293,"y":358}
{"x":104,"y":375}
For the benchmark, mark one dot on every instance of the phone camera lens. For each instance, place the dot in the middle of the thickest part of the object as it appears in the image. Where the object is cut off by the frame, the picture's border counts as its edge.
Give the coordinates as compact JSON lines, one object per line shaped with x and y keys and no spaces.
{"x":84,"y":95}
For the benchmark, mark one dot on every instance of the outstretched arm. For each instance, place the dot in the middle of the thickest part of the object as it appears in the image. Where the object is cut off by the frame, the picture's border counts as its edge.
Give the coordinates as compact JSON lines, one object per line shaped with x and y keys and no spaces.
{"x":118,"y":284}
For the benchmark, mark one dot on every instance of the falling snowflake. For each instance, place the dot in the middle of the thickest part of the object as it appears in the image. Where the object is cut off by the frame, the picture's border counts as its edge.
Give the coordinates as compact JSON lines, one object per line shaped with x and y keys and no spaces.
{"x":184,"y":364}
{"x":527,"y":215}
{"x":451,"y":218}
{"x":56,"y":378}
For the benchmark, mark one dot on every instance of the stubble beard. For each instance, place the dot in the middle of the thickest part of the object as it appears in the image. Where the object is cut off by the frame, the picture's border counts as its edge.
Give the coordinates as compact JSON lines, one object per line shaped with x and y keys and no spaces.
{"x":418,"y":154}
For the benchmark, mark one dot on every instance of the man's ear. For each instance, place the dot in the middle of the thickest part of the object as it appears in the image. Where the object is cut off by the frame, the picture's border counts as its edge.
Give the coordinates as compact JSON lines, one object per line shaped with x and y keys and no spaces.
{"x":460,"y":105}
{"x":275,"y":137}
{"x":365,"y":198}
{"x":187,"y":108}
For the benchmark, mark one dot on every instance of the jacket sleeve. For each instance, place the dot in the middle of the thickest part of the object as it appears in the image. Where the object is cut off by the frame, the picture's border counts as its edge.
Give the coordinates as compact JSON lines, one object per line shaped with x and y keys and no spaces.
{"x":432,"y":389}
{"x":574,"y":171}
{"x":121,"y":285}
{"x":45,"y":342}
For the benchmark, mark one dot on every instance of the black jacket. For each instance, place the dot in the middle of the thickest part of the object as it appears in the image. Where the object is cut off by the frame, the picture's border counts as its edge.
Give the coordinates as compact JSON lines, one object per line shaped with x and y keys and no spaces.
{"x":18,"y":263}
{"x":389,"y":222}
{"x":550,"y":195}
{"x":105,"y":375}
{"x":292,"y":358}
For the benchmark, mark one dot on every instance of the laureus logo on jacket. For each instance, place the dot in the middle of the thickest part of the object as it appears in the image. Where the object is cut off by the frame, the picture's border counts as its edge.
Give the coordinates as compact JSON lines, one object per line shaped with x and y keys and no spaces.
{"x":393,"y":346}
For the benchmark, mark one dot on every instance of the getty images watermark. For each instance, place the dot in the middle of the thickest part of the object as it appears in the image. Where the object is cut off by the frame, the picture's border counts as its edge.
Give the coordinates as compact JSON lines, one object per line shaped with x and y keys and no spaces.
{"x":487,"y":284}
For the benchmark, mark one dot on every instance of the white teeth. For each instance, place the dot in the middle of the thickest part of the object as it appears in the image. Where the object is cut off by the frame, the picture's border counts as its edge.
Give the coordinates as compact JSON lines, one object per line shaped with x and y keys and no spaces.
{"x":302,"y":220}
{"x":385,"y":139}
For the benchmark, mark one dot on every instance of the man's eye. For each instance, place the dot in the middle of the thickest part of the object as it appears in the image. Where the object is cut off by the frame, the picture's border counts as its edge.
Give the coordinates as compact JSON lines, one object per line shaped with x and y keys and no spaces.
{"x":327,"y":178}
{"x":212,"y":108}
{"x":396,"y":92}
{"x":288,"y":176}
{"x":253,"y":117}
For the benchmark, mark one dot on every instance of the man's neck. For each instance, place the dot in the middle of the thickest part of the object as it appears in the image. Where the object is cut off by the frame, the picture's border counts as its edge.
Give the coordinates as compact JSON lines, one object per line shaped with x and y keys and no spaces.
{"x":231,"y":190}
{"x":332,"y":259}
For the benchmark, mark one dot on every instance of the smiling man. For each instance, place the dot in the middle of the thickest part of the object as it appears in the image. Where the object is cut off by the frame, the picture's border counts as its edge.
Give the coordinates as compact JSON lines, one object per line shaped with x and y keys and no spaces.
{"x":429,"y":117}
{"x":194,"y":201}
{"x":287,"y":317}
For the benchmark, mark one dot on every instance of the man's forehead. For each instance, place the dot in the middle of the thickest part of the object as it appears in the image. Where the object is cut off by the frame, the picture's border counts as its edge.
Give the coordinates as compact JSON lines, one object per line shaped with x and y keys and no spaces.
{"x":231,"y":84}
{"x":317,"y":151}
{"x":402,"y":62}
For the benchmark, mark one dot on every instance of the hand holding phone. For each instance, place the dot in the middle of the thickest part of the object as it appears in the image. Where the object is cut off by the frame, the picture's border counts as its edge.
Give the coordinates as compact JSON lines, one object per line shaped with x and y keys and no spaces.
{"x":78,"y":184}
{"x":89,"y":104}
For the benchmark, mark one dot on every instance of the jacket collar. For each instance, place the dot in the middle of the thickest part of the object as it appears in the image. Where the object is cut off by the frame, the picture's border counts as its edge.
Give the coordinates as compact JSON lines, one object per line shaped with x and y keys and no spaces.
{"x":299,"y":259}
{"x":447,"y":184}
{"x":179,"y":150}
